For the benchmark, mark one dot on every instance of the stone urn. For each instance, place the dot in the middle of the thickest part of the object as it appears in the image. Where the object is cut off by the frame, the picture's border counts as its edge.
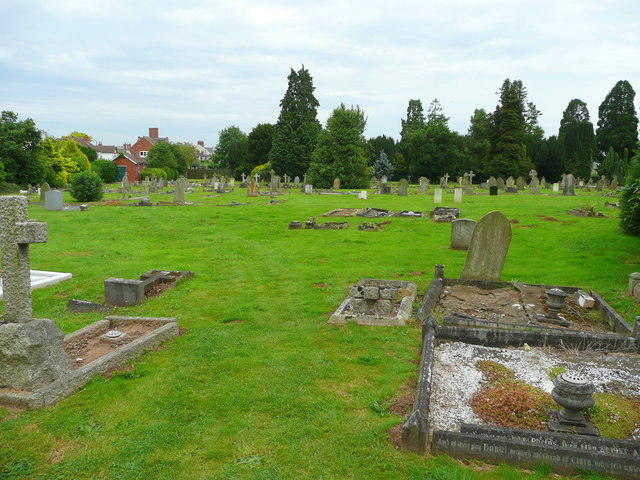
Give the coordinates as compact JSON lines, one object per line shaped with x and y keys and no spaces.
{"x":555,"y":300}
{"x":574,"y":393}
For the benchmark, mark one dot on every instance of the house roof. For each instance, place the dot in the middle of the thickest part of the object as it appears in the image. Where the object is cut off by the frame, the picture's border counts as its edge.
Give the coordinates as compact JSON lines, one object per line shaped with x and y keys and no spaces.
{"x":132,"y":157}
{"x":154,"y":140}
{"x":105,"y":148}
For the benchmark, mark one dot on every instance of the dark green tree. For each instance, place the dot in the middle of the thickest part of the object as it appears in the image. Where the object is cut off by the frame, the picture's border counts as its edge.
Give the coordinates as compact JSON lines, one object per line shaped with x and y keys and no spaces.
{"x":476,"y":142}
{"x":383,"y":166}
{"x":415,"y":118}
{"x":232,"y":148}
{"x":259,"y":143}
{"x":20,"y":143}
{"x":91,"y":154}
{"x":577,"y":139}
{"x":106,"y":169}
{"x":297,"y":129}
{"x":617,"y":121}
{"x":615,"y":165}
{"x":161,"y":156}
{"x":86,"y":187}
{"x":411,"y":133}
{"x":186,"y":155}
{"x":381,"y":143}
{"x":630,"y":199}
{"x":341,"y":151}
{"x":507,"y":153}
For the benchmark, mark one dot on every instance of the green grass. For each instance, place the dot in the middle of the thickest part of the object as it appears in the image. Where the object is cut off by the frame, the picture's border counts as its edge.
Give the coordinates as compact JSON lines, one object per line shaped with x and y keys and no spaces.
{"x":260,"y":386}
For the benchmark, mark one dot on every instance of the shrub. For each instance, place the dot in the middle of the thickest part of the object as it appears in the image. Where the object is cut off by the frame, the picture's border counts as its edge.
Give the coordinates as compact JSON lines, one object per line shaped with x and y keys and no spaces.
{"x":106,"y":169}
{"x":263,"y":169}
{"x":630,"y":199}
{"x":6,"y":187}
{"x":149,"y":172}
{"x":86,"y":187}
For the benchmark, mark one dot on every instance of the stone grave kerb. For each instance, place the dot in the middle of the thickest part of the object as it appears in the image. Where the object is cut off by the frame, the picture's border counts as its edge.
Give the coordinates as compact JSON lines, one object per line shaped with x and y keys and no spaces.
{"x":16,"y":233}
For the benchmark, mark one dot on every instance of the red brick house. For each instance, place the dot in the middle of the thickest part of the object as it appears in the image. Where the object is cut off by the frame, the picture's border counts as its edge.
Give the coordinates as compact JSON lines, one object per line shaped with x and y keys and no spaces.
{"x":134,"y":159}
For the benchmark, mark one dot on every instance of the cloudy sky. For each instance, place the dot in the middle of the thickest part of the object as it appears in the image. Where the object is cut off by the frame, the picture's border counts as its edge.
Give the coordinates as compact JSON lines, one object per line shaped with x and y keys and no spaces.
{"x":114,"y":68}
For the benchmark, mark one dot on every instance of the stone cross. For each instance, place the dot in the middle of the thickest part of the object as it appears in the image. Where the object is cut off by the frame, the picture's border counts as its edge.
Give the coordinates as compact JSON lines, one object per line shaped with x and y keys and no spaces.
{"x":257,"y":177}
{"x":471,"y":175}
{"x":533,"y":173}
{"x":243,"y":177}
{"x":286,"y":178}
{"x":304,"y":179}
{"x":446,"y":179}
{"x":272,"y":173}
{"x":16,"y":233}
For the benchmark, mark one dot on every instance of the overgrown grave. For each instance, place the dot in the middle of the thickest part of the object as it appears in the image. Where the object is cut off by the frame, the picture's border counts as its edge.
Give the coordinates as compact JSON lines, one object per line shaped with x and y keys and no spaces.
{"x":479,"y":321}
{"x":38,"y":363}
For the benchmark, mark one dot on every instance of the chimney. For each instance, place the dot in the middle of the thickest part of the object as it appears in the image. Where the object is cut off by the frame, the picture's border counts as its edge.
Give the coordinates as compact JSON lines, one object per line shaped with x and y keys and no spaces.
{"x":201,"y":143}
{"x":153,"y":132}
{"x":87,"y":139}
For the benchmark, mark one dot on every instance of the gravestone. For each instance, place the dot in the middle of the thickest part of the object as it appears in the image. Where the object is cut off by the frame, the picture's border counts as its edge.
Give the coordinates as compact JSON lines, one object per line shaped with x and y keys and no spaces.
{"x":252,"y":190}
{"x":362,"y":195}
{"x":461,"y":233}
{"x":437,"y":195}
{"x":125,"y":184}
{"x":43,"y":189}
{"x":308,"y":188}
{"x":520,"y":183}
{"x":488,"y":248}
{"x":457,"y":195}
{"x":543,"y":183}
{"x":31,"y":350}
{"x":53,"y":200}
{"x":403,"y":188}
{"x":511,"y":183}
{"x":556,"y":187}
{"x":384,"y":179}
{"x":493,"y":190}
{"x":492,"y":181}
{"x":154,"y":184}
{"x":424,"y":184}
{"x":569,"y":185}
{"x":336,"y":184}
{"x":534,"y":186}
{"x":178,"y":193}
{"x":500,"y":183}
{"x":296,"y":182}
{"x":614,"y":183}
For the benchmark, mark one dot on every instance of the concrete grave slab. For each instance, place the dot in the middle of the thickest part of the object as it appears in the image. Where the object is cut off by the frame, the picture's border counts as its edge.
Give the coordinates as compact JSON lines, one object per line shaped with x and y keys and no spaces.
{"x":42,"y":278}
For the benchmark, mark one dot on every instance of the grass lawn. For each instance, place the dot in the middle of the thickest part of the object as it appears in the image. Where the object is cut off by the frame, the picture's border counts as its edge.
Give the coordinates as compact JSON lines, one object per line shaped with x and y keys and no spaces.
{"x":260,"y":386}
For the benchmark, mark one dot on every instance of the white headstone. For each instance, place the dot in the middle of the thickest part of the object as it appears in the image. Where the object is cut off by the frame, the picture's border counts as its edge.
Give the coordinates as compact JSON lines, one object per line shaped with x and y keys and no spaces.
{"x":53,"y":200}
{"x":556,"y":187}
{"x":437,"y":195}
{"x":308,"y":189}
{"x":362,"y":195}
{"x":457,"y":195}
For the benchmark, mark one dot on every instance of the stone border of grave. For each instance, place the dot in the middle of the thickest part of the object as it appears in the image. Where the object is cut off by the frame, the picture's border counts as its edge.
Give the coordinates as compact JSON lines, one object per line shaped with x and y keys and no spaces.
{"x":565,"y":453}
{"x":75,"y":380}
{"x":342,"y":315}
{"x":42,"y":278}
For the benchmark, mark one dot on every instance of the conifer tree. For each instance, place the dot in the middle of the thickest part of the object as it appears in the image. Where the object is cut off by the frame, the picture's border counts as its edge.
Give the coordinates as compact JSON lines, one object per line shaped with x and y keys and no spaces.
{"x":383,"y":166}
{"x":296,"y":132}
{"x":577,"y":139}
{"x":617,"y":120}
{"x":630,"y":199}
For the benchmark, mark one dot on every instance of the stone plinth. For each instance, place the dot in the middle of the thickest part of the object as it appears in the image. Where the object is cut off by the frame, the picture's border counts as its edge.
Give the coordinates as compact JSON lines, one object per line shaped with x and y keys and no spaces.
{"x":634,"y":285}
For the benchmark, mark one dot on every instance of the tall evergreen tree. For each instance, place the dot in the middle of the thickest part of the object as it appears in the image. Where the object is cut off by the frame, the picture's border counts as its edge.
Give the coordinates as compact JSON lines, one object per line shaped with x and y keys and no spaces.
{"x":577,"y":139}
{"x":381,"y":143}
{"x":476,"y":142}
{"x":617,"y":120}
{"x":415,"y":118}
{"x":630,"y":199}
{"x":412,"y":131}
{"x":507,"y":154}
{"x":259,"y":142}
{"x":341,"y":151}
{"x":297,"y":129}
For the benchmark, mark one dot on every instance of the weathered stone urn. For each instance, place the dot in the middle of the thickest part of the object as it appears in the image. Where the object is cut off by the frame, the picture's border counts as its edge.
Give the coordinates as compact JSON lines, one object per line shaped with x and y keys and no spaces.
{"x":574,"y":393}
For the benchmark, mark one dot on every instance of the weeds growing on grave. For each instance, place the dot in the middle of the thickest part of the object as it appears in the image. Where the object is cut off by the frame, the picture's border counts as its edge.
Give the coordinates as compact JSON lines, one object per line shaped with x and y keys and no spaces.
{"x":261,"y":386}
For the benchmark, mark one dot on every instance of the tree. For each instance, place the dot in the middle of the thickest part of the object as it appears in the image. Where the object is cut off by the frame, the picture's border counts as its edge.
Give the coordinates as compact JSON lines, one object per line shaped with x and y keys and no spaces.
{"x":383,"y":166}
{"x":86,"y":187}
{"x":630,"y":199}
{"x":91,"y":154}
{"x":341,"y":151}
{"x":20,"y":143}
{"x":415,"y":118}
{"x":259,"y":143}
{"x":296,"y":132}
{"x":412,"y":131}
{"x":59,"y":168}
{"x":161,"y":156}
{"x":186,"y":155}
{"x":232,"y":148}
{"x":617,"y":120}
{"x":70,"y":149}
{"x":507,"y":153}
{"x":615,"y":165}
{"x":531,"y":115}
{"x":381,"y":143}
{"x":578,"y":142}
{"x":476,"y":142}
{"x":106,"y":169}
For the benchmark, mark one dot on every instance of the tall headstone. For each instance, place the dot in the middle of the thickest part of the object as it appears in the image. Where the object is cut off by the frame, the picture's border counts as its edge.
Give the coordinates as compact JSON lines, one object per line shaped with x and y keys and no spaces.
{"x":500,"y":183}
{"x":424,"y":184}
{"x":178,"y":193}
{"x":336,"y":184}
{"x":43,"y":189}
{"x":614,"y":183}
{"x":457,"y":195}
{"x":154,"y":184}
{"x":461,"y":233}
{"x":125,"y":184}
{"x":437,"y":195}
{"x":53,"y":200}
{"x":569,"y":185}
{"x":403,"y":187}
{"x":31,"y":350}
{"x":492,"y":181}
{"x":511,"y":183}
{"x":543,"y":183}
{"x":296,"y":182}
{"x":146,"y":187}
{"x":488,"y":248}
{"x":534,"y":186}
{"x":520,"y":183}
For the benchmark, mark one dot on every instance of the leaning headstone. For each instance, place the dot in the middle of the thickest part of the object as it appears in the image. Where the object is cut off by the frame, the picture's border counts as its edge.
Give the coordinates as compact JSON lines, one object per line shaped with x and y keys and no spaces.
{"x":53,"y":200}
{"x":336,"y":184}
{"x":43,"y":189}
{"x":569,"y":185}
{"x":500,"y":183}
{"x":461,"y":233}
{"x":437,"y":195}
{"x":403,"y":188}
{"x":488,"y":248}
{"x":31,"y":350}
{"x":308,"y":189}
{"x":457,"y":195}
{"x":614,"y":183}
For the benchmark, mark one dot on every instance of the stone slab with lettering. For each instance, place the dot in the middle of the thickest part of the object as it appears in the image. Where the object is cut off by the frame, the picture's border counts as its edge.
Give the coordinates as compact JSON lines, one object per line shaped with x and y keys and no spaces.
{"x":488,"y":248}
{"x":53,"y":200}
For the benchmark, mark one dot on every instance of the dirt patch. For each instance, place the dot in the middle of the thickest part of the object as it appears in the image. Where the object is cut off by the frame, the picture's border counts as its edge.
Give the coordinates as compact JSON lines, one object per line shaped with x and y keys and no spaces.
{"x":117,"y":369}
{"x":89,"y":347}
{"x":321,"y":285}
{"x":524,"y":226}
{"x":416,"y":274}
{"x":515,"y":220}
{"x":158,"y":289}
{"x":403,"y":404}
{"x":550,"y":219}
{"x":395,"y":435}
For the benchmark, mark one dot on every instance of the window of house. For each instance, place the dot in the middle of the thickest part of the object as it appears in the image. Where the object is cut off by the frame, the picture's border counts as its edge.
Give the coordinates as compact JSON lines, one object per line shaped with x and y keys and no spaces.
{"x":143,"y":153}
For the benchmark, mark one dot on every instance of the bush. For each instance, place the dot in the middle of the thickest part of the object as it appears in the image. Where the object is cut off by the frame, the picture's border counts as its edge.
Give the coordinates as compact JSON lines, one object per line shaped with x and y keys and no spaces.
{"x":149,"y":172}
{"x":86,"y":187}
{"x":630,"y":199}
{"x":263,"y":169}
{"x":6,"y":187}
{"x":106,"y":169}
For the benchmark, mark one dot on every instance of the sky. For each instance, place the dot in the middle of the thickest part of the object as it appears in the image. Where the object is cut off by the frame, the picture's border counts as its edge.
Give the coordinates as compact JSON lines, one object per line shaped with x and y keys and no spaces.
{"x":114,"y":68}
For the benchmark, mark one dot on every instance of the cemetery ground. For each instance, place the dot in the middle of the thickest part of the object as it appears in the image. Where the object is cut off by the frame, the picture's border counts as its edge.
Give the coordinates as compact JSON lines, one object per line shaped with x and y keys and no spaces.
{"x":258,"y":385}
